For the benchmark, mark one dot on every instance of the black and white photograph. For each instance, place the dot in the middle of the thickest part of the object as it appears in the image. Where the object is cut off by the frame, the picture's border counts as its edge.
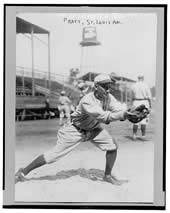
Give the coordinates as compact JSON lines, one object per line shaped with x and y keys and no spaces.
{"x":87,"y":86}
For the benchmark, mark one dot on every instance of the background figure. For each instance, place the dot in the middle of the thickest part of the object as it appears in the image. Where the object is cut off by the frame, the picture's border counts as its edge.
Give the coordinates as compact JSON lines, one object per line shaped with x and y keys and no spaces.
{"x":141,"y":94}
{"x":64,"y":107}
{"x":47,"y":108}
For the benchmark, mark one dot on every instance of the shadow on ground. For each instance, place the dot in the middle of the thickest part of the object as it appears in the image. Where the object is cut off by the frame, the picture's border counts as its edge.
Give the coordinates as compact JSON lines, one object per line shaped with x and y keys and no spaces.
{"x":92,"y":174}
{"x":129,"y":137}
{"x":137,"y":138}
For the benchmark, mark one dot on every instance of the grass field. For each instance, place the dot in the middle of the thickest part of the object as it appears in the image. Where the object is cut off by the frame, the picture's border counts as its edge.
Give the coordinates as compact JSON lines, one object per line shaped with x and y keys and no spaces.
{"x":69,"y":179}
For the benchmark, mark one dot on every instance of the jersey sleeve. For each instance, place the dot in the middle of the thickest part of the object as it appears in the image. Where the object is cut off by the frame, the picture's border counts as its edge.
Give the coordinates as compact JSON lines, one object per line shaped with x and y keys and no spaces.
{"x":115,"y":106}
{"x":98,"y":113}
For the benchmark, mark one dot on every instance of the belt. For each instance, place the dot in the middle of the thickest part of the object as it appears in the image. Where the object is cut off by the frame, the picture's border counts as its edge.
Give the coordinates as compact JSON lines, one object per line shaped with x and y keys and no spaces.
{"x":79,"y":129}
{"x":140,"y":99}
{"x":86,"y":133}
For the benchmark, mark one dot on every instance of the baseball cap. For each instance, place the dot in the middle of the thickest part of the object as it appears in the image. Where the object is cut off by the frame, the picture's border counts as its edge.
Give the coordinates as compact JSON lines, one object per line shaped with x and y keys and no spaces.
{"x":63,"y":92}
{"x":102,"y":78}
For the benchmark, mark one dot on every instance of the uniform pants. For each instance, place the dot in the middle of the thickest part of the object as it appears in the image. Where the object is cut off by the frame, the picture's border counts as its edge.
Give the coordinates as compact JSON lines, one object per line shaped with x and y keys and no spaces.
{"x":69,"y":137}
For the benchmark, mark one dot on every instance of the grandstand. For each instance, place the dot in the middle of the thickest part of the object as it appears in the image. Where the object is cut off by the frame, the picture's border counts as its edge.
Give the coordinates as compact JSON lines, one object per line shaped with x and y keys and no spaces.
{"x":33,"y":86}
{"x":33,"y":107}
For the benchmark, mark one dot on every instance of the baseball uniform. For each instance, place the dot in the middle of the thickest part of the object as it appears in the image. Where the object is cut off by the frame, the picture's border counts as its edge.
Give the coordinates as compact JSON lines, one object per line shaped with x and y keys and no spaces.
{"x":94,"y":108}
{"x":86,"y":125}
{"x":64,"y":107}
{"x":141,"y":94}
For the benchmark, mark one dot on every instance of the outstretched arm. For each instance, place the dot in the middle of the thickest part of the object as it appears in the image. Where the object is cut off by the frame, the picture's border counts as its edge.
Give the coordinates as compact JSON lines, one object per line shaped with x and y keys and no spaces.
{"x":101,"y":115}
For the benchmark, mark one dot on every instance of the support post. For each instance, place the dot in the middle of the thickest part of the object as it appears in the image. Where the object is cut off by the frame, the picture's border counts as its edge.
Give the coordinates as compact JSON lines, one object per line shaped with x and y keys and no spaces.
{"x":23,"y":82}
{"x":32,"y":48}
{"x":49,"y":67}
{"x":126,"y":95}
{"x":121,"y":90}
{"x":81,"y":60}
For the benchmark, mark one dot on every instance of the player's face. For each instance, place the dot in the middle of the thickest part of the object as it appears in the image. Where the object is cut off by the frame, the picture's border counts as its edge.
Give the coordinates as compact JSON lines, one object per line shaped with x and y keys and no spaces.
{"x":104,"y":89}
{"x":106,"y":86}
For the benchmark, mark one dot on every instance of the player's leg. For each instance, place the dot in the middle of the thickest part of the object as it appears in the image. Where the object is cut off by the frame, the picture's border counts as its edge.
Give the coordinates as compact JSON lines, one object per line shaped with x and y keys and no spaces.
{"x":145,"y":121}
{"x":143,"y":129}
{"x":136,"y":103}
{"x":111,"y":156}
{"x":67,"y":113}
{"x":22,"y":172}
{"x":144,"y":124}
{"x":110,"y":160}
{"x":135,"y":129}
{"x":106,"y":143}
{"x":67,"y":139}
{"x":61,"y":116}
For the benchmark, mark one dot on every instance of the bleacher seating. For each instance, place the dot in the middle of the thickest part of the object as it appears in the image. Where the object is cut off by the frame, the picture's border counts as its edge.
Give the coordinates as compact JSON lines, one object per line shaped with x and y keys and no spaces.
{"x":42,"y":91}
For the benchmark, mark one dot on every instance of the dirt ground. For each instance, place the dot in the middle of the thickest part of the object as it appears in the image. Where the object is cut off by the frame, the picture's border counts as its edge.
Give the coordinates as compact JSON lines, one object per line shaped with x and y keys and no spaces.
{"x":77,"y":177}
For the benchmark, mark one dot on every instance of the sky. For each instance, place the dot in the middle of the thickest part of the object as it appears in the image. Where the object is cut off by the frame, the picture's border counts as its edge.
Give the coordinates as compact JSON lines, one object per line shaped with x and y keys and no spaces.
{"x":128,"y":44}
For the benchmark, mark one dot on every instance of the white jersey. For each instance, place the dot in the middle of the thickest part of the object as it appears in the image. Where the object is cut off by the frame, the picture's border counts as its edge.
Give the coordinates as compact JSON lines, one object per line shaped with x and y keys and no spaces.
{"x":91,"y":111}
{"x":64,"y":100}
{"x":140,"y":91}
{"x":141,"y":94}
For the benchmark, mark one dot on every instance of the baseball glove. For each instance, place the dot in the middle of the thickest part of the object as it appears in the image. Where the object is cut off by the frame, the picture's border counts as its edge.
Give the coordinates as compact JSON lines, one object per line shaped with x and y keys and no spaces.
{"x":135,"y":115}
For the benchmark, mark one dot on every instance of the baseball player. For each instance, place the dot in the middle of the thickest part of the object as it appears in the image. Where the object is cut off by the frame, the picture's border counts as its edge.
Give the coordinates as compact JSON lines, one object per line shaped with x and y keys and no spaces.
{"x":96,"y":107}
{"x":47,"y":108}
{"x":141,"y":94}
{"x":64,"y":107}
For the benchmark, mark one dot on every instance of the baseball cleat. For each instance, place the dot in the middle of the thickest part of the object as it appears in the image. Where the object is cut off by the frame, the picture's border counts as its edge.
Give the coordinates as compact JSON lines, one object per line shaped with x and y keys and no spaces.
{"x":19,"y":176}
{"x":111,"y":179}
{"x":120,"y":180}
